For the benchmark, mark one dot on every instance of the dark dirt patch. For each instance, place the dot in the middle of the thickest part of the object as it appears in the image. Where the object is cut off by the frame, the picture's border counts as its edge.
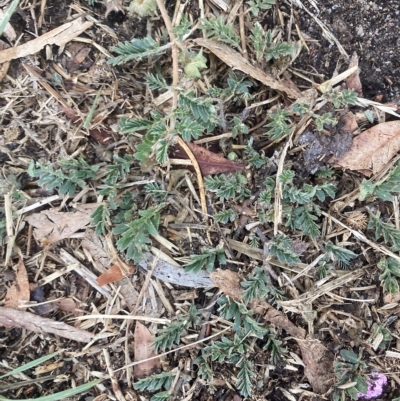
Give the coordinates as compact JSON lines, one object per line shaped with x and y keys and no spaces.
{"x":369,"y":28}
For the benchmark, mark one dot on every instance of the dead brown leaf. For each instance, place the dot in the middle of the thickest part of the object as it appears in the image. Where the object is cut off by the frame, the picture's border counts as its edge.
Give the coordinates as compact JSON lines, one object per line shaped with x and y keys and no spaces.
{"x":20,"y":290}
{"x":15,"y":318}
{"x":372,"y":149}
{"x":237,"y":62}
{"x":228,"y":282}
{"x":78,"y":57}
{"x":353,"y":81}
{"x":144,"y":350}
{"x":52,"y":226}
{"x":209,"y":162}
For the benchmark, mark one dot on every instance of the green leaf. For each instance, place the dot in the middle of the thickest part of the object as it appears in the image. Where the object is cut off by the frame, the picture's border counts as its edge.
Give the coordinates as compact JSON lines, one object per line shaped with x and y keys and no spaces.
{"x":280,"y":125}
{"x":193,"y":63}
{"x":388,"y":231}
{"x":384,"y":189}
{"x":155,"y":382}
{"x":100,"y":219}
{"x":128,"y":126}
{"x":245,"y":375}
{"x":216,"y":28}
{"x":301,"y":108}
{"x":189,"y":129}
{"x":202,"y":109}
{"x":155,"y":82}
{"x":280,"y":49}
{"x":234,"y":187}
{"x":239,"y":127}
{"x":206,"y":260}
{"x":339,"y":254}
{"x":135,"y":235}
{"x":165,"y":395}
{"x":224,"y":216}
{"x":256,"y":159}
{"x":370,"y":117}
{"x":182,"y":28}
{"x":349,"y":356}
{"x":134,"y":50}
{"x":257,"y":5}
{"x":325,"y":119}
{"x":258,"y":39}
{"x":281,"y":246}
{"x":154,"y":189}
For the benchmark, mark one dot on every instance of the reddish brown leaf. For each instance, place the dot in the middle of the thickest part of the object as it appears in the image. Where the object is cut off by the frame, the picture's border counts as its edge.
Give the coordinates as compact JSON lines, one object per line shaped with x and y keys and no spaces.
{"x":19,"y":291}
{"x":102,"y":135}
{"x":114,"y":273}
{"x":209,"y":162}
{"x":144,"y":350}
{"x":372,"y":149}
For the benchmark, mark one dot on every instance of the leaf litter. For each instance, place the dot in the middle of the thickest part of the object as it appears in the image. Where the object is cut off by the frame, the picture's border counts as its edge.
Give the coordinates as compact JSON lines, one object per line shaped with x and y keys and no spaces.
{"x":285,"y":302}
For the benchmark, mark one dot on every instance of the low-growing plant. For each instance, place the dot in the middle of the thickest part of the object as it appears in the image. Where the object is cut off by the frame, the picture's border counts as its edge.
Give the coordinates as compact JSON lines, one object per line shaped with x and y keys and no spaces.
{"x":389,"y":232}
{"x":384,"y":189}
{"x":259,"y":285}
{"x":229,"y":188}
{"x":350,"y":376}
{"x":390,"y":268}
{"x":206,"y":260}
{"x":73,"y":174}
{"x":173,"y":331}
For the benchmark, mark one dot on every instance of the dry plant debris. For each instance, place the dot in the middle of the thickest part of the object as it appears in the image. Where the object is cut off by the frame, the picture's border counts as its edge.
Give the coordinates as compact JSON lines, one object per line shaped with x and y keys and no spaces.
{"x":211,"y":215}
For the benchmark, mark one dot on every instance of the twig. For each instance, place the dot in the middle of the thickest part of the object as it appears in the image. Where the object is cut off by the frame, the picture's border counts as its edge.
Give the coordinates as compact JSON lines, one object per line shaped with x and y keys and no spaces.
{"x":175,"y":76}
{"x":175,"y":71}
{"x":243,"y":34}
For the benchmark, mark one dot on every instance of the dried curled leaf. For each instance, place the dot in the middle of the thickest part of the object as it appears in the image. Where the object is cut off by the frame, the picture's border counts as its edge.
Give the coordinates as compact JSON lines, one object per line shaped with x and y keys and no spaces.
{"x":372,"y":150}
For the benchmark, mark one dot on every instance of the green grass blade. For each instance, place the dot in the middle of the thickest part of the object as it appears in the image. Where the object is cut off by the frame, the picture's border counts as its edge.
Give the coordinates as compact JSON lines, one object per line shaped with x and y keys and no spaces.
{"x":31,"y":365}
{"x":62,"y":394}
{"x":7,"y":15}
{"x":89,"y":117}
